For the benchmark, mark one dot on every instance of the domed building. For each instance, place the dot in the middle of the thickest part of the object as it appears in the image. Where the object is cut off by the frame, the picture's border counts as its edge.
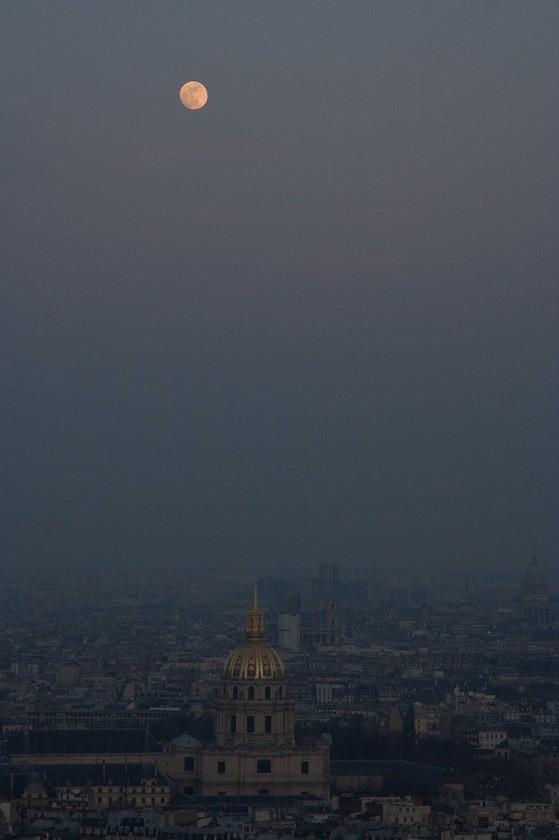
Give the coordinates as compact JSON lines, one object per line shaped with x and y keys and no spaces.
{"x":254,"y":751}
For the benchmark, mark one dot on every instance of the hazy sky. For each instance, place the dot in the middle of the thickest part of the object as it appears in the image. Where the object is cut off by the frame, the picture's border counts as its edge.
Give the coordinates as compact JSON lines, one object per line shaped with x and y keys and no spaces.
{"x":318,"y":319}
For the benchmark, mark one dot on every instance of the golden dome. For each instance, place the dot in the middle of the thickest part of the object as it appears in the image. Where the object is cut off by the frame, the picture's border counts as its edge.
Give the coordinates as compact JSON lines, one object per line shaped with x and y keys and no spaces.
{"x":254,"y":659}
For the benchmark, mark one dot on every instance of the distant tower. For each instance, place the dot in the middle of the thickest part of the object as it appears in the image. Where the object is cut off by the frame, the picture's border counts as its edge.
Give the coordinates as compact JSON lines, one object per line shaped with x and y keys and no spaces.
{"x":535,"y":599}
{"x":289,"y":631}
{"x":332,"y":624}
{"x":328,"y":580}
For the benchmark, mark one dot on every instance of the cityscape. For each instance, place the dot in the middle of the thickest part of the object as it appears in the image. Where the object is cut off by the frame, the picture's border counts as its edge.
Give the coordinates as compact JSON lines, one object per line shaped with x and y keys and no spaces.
{"x":279,"y":378}
{"x":293,"y":707}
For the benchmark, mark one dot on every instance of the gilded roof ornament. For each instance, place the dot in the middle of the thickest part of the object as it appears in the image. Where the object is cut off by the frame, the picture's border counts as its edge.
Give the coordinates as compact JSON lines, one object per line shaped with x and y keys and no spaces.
{"x":254,"y":659}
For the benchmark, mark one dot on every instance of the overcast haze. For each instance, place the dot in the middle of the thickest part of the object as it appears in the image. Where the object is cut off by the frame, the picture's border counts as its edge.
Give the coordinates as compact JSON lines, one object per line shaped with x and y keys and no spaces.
{"x":317,"y":320}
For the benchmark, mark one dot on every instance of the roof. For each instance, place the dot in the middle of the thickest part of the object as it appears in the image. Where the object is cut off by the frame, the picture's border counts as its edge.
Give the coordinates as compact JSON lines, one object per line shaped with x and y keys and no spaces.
{"x":365,"y":767}
{"x":68,"y":741}
{"x":185,"y":742}
{"x":60,"y":775}
{"x":254,"y":660}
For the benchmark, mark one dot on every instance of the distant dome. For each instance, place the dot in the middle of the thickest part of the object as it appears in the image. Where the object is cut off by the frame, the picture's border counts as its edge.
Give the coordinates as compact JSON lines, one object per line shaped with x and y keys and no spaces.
{"x":254,"y":659}
{"x":185,"y":742}
{"x":534,"y":584}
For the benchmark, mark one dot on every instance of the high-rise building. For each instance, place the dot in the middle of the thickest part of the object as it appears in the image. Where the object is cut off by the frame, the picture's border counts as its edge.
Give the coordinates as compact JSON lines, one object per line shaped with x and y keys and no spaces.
{"x":328,"y":580}
{"x":289,"y":631}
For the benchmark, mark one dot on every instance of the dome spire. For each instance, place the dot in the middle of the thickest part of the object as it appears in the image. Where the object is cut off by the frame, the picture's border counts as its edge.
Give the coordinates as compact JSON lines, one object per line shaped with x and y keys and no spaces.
{"x":254,"y":628}
{"x":254,"y":658}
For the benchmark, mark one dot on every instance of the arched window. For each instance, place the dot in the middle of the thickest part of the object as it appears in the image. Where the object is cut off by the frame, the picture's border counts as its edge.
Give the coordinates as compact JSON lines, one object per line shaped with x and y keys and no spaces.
{"x":263,"y":765}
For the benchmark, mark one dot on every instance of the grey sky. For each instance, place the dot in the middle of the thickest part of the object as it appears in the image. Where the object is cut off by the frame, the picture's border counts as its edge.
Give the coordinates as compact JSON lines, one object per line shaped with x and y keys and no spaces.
{"x":317,"y":320}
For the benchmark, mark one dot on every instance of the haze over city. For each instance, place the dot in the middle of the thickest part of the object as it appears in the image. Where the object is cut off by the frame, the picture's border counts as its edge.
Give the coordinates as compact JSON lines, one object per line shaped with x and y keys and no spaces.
{"x":316,"y":320}
{"x":279,"y":357}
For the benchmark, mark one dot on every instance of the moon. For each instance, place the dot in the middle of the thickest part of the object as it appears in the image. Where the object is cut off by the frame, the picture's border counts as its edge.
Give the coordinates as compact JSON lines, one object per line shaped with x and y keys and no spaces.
{"x":193,"y":95}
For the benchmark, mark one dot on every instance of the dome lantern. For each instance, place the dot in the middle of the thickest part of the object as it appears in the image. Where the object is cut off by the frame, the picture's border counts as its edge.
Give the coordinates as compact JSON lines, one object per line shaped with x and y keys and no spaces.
{"x":254,"y":628}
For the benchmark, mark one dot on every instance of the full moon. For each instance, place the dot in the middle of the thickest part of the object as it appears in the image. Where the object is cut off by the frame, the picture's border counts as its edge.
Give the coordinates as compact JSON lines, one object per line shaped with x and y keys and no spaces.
{"x":193,"y":95}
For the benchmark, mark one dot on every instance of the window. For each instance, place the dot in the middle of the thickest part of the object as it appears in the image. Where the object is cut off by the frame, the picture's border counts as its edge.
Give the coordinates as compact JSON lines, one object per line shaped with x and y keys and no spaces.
{"x":251,"y":692}
{"x":235,"y":692}
{"x":189,"y":790}
{"x":221,"y":793}
{"x":268,"y":693}
{"x":263,"y":765}
{"x":268,"y":724}
{"x":221,"y":767}
{"x":304,"y":767}
{"x":233,"y":724}
{"x":189,"y":762}
{"x":263,"y":792}
{"x":250,"y":724}
{"x":280,"y":692}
